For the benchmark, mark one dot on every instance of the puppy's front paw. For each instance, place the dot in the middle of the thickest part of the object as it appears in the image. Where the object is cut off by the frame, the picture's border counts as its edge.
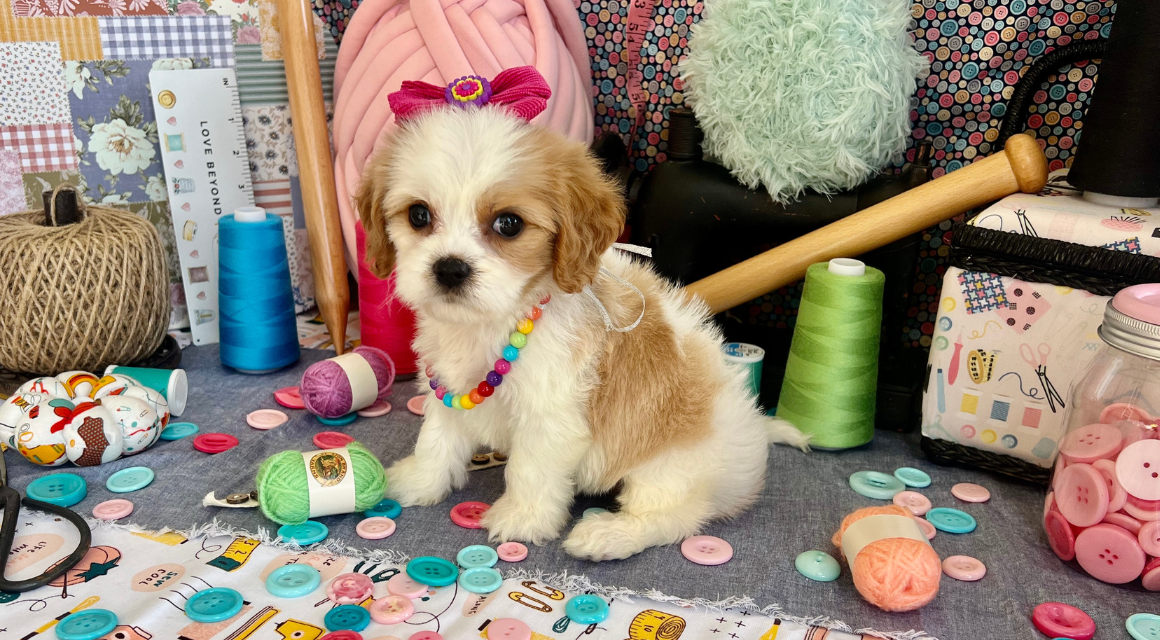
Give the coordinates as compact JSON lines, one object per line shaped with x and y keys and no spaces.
{"x":606,"y":536}
{"x":508,"y":520}
{"x":413,"y":486}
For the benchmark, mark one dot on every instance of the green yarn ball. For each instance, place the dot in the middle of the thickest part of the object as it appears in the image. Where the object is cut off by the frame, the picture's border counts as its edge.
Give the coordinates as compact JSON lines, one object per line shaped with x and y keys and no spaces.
{"x":284,"y":494}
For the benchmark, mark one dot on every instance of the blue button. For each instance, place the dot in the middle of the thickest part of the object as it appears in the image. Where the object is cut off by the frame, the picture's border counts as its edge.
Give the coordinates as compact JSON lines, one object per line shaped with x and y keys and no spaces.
{"x":61,"y":489}
{"x":293,"y":581}
{"x":349,"y":617}
{"x":1142,"y":626}
{"x":591,"y":511}
{"x":213,"y":605}
{"x":339,"y":421}
{"x":179,"y":430}
{"x":951,"y":520}
{"x":586,"y":609}
{"x":386,"y":508}
{"x":481,"y":580}
{"x":131,"y":479}
{"x":818,"y":566}
{"x":432,"y":571}
{"x":306,"y":533}
{"x":873,"y":484}
{"x":477,"y":555}
{"x":86,"y":625}
{"x":912,"y":477}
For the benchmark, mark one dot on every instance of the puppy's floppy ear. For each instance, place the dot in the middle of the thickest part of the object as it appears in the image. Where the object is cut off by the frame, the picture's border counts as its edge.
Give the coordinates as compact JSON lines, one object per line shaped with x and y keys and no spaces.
{"x":590,"y":213}
{"x":380,"y":253}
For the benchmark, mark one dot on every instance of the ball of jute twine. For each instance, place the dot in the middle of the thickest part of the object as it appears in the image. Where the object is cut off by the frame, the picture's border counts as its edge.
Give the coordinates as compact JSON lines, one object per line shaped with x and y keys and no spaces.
{"x":82,"y":295}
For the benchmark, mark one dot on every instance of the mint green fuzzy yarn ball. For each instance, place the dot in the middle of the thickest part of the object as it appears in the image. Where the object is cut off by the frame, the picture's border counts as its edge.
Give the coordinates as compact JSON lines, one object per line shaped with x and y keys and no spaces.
{"x":803,"y":94}
{"x":285,"y":497}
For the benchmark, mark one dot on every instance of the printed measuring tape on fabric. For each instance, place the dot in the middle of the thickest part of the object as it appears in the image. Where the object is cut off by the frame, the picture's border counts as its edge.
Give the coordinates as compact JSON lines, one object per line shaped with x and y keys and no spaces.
{"x":639,"y":23}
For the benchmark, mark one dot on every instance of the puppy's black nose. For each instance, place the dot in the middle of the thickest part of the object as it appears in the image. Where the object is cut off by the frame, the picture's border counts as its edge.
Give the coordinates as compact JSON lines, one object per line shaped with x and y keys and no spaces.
{"x":451,"y":272}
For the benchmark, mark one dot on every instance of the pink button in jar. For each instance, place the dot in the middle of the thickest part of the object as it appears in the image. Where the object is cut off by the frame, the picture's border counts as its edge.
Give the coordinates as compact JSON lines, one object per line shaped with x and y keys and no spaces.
{"x":1116,"y":494}
{"x":1149,"y":538}
{"x":1059,"y":535}
{"x":1151,"y":577}
{"x":1138,"y":469}
{"x":1110,"y":553}
{"x":1123,"y":411}
{"x":1092,"y":442}
{"x":917,"y":503}
{"x":1083,"y":495}
{"x":1124,"y":520}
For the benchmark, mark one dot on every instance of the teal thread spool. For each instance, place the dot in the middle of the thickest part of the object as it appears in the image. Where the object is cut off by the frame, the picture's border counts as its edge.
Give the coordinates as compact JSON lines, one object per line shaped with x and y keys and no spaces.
{"x":171,"y":383}
{"x":831,"y":377}
{"x":752,"y":357}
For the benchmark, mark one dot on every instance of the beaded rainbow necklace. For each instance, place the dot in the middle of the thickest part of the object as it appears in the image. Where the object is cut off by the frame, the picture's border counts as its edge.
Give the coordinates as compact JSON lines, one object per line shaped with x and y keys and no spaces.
{"x":516,"y":341}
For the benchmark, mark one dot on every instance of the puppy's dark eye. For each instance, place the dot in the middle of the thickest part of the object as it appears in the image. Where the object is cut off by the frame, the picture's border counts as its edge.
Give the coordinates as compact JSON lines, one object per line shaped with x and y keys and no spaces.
{"x":420,"y":216}
{"x":508,"y":225}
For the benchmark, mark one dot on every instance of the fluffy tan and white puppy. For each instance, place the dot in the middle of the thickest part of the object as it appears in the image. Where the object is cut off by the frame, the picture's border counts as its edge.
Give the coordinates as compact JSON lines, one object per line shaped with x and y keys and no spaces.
{"x":482,"y":215}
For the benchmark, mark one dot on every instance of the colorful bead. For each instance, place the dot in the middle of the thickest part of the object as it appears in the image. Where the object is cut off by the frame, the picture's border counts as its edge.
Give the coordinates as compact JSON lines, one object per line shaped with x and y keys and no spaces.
{"x":475,"y":396}
{"x":518,"y":340}
{"x":494,"y":379}
{"x":525,"y":326}
{"x":430,"y":372}
{"x":448,"y":399}
{"x":466,"y":402}
{"x":485,"y":389}
{"x":434,"y":384}
{"x":456,"y":402}
{"x":502,"y":367}
{"x":535,"y":313}
{"x":440,"y":392}
{"x":510,"y":353}
{"x":545,"y":300}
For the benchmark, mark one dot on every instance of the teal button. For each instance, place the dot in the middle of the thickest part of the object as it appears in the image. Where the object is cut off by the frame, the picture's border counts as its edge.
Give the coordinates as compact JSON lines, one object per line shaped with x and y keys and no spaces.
{"x":131,"y":479}
{"x":61,"y":489}
{"x":306,"y":533}
{"x":873,"y":484}
{"x":213,"y":605}
{"x":591,"y":511}
{"x":818,"y":566}
{"x":349,"y":617}
{"x":339,"y":421}
{"x":477,"y":555}
{"x":951,"y":520}
{"x":386,"y":508}
{"x":293,"y":581}
{"x":86,"y":625}
{"x":432,"y":571}
{"x":1143,"y":626}
{"x":179,"y":430}
{"x":586,"y":609}
{"x":481,"y":580}
{"x":912,"y":477}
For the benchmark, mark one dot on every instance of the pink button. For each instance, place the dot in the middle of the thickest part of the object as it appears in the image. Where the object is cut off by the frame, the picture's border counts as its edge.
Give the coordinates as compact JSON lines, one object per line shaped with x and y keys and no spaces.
{"x":1083,"y":497}
{"x":469,"y":515}
{"x":391,"y":610}
{"x":1092,"y":442}
{"x":1151,"y":579}
{"x":214,"y":442}
{"x":1124,"y":520}
{"x":1058,"y":620}
{"x":1109,"y":553}
{"x":1138,"y":469}
{"x":964,"y":568}
{"x":350,"y":588}
{"x":112,"y":509}
{"x":927,"y":528}
{"x":415,"y":405}
{"x":403,"y":585}
{"x":331,"y":440}
{"x":1123,"y":411}
{"x":379,"y":408}
{"x":375,"y":528}
{"x":1116,"y":494}
{"x":917,"y":503}
{"x":1135,"y":431}
{"x":425,"y":635}
{"x":1060,"y":535}
{"x":968,"y":492}
{"x":508,"y":629}
{"x":1048,"y":503}
{"x":512,"y":552}
{"x":1060,"y":465}
{"x":707,"y":550}
{"x":266,"y":419}
{"x":289,"y":397}
{"x":1143,"y":510}
{"x":1149,"y":538}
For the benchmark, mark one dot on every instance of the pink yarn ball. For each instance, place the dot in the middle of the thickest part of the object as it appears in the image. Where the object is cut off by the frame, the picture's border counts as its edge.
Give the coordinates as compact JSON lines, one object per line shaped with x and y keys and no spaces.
{"x":893,"y":574}
{"x":326,"y":391}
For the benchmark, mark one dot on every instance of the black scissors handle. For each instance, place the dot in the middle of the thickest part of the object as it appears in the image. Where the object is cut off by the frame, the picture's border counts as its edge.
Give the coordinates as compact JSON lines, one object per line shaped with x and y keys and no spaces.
{"x":11,"y":501}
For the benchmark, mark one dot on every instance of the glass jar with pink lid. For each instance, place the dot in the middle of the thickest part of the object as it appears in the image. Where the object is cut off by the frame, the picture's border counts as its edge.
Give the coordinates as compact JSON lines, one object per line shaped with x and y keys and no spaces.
{"x":1102,"y":513}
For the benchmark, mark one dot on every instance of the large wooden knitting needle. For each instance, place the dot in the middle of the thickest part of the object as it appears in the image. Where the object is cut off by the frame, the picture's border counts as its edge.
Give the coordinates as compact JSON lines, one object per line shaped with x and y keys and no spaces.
{"x":315,"y":167}
{"x":1021,"y":167}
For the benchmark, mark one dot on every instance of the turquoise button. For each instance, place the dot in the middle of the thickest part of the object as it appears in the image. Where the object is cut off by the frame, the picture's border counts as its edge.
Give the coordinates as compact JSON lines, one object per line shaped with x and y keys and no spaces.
{"x":179,"y":430}
{"x":477,"y":555}
{"x":912,"y":477}
{"x":1142,"y":626}
{"x":873,"y":484}
{"x":131,"y":479}
{"x":591,"y":511}
{"x":481,"y":580}
{"x":951,"y":520}
{"x":432,"y":571}
{"x":86,"y":625}
{"x":61,"y":489}
{"x":213,"y":605}
{"x":306,"y":533}
{"x":586,"y":609}
{"x":350,"y":617}
{"x":339,"y":421}
{"x":293,"y":581}
{"x":817,"y":565}
{"x":386,"y":508}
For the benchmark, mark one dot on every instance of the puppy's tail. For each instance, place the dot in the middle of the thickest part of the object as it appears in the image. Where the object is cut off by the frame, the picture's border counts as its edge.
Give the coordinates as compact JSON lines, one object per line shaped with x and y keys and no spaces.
{"x":783,"y":432}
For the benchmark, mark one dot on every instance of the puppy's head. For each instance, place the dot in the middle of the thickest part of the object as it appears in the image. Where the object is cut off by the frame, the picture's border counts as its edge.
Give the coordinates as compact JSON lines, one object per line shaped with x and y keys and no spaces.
{"x":476,"y":210}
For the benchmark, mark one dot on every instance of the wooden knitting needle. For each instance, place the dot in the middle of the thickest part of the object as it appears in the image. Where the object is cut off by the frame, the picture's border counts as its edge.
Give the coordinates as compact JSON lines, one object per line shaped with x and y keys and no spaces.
{"x":315,"y":167}
{"x":1021,"y":167}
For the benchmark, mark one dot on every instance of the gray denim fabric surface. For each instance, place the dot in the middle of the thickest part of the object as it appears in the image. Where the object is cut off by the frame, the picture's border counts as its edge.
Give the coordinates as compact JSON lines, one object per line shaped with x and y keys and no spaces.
{"x":806,"y":497}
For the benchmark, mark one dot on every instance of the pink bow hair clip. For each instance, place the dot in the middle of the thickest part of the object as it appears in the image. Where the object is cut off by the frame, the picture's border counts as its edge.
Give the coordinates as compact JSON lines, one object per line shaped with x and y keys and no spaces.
{"x":520,"y":90}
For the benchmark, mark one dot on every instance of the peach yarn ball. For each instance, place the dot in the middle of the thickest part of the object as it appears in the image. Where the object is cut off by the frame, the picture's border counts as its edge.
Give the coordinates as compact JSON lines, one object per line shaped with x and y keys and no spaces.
{"x":893,"y":574}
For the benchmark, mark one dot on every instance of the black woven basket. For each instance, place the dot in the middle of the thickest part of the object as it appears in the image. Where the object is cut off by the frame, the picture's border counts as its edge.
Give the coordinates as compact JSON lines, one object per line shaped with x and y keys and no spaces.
{"x":1041,"y":260}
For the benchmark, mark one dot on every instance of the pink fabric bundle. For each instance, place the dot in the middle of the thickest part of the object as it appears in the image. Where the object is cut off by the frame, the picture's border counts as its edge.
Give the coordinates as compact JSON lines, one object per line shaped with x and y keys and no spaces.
{"x":439,"y":41}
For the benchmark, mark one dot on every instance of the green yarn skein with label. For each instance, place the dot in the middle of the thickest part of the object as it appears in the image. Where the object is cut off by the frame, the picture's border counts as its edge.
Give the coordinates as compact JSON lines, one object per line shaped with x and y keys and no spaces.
{"x":284,"y":495}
